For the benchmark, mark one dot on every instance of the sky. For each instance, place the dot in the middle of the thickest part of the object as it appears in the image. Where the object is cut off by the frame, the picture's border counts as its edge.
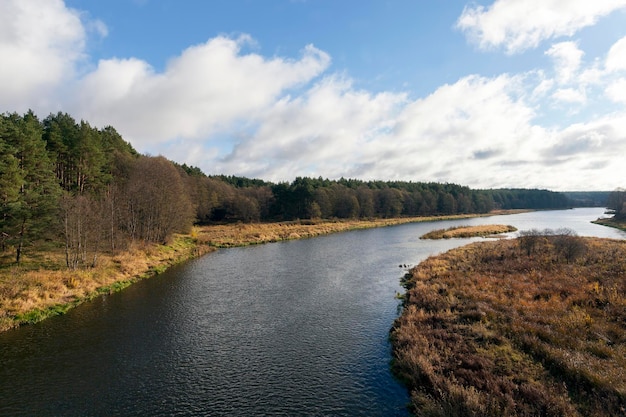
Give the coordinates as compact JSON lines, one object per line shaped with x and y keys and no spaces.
{"x":488,"y":94}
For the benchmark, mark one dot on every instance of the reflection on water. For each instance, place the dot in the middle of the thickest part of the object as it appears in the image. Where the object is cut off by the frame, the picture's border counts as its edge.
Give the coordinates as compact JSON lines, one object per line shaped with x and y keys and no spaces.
{"x":291,"y":328}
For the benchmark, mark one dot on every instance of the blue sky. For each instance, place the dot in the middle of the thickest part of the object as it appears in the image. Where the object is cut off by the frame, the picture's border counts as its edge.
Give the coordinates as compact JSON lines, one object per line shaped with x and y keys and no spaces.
{"x":506,"y":93}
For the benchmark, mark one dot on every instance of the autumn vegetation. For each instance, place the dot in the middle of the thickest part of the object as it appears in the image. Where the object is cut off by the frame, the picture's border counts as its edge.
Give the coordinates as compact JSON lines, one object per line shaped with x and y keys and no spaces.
{"x":43,"y":286}
{"x":616,"y":204}
{"x":469,"y":231}
{"x":70,"y":184}
{"x":534,"y":326}
{"x":81,"y":210}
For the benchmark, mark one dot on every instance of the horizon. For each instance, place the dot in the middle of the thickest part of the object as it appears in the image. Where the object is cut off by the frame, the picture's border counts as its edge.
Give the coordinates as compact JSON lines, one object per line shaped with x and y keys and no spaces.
{"x":487,"y":94}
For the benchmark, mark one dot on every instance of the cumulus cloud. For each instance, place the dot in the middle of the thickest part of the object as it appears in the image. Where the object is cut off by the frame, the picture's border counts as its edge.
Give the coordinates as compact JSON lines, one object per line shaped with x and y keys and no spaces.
{"x":208,"y":87}
{"x":569,"y":95}
{"x":445,"y":135}
{"x":517,"y":25}
{"x":455,"y":134}
{"x":229,"y":111}
{"x":567,"y":58}
{"x":41,"y":42}
{"x":478,"y":131}
{"x":323,"y":131}
{"x":596,"y":140}
{"x":616,"y":58}
{"x":616,"y":91}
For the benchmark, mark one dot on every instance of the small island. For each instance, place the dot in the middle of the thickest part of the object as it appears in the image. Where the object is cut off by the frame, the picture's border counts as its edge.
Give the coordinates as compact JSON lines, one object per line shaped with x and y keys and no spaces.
{"x":469,"y":231}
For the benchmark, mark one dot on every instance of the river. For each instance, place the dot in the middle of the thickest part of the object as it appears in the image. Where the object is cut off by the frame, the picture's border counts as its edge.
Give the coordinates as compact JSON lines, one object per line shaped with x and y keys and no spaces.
{"x":295,"y":328}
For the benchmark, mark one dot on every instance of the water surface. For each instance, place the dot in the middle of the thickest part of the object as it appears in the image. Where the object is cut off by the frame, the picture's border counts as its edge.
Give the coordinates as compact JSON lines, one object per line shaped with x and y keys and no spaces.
{"x":288,"y":328}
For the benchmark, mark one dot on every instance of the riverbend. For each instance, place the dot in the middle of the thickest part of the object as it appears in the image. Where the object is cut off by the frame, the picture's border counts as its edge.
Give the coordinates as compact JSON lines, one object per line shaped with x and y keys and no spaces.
{"x":296,"y":327}
{"x":42,"y":286}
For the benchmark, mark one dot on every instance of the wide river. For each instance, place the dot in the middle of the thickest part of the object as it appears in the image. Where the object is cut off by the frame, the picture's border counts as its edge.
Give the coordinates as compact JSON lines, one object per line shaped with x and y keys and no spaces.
{"x":297,"y":328}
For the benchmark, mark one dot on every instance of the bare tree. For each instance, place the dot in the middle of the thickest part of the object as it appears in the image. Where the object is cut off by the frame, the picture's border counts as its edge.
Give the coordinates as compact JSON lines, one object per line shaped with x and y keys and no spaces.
{"x":157,"y":204}
{"x":568,"y":245}
{"x":529,"y":240}
{"x":83,"y":227}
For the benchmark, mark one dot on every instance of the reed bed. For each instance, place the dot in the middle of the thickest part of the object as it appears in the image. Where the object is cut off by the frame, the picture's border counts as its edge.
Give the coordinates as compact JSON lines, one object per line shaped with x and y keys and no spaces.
{"x":493,"y":329}
{"x":469,"y":231}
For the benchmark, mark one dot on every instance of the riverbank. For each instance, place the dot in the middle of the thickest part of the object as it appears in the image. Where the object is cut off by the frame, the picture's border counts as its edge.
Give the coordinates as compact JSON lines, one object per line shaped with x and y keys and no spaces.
{"x":611,"y":222}
{"x":42,"y":286}
{"x":244,"y":234}
{"x":506,"y":328}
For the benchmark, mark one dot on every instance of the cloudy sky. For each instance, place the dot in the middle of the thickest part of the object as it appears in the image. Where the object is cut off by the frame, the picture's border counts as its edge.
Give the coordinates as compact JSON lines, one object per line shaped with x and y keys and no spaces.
{"x":504,"y":93}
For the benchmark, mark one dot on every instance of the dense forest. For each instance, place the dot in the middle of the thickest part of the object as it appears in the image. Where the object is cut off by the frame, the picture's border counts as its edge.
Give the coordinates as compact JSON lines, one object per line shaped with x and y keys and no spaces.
{"x":68,"y":183}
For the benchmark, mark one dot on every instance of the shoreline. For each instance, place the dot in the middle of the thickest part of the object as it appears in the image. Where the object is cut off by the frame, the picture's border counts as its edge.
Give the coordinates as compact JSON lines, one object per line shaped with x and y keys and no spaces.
{"x":45,"y":289}
{"x":610,"y":222}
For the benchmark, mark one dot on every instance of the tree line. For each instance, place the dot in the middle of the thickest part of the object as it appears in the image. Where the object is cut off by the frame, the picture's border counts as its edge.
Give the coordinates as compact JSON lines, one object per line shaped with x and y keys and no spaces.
{"x":68,"y":183}
{"x":617,"y":204}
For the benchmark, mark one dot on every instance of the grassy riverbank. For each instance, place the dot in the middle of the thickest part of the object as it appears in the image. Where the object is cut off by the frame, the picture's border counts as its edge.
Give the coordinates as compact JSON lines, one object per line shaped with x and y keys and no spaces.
{"x":243,"y":234}
{"x":611,"y":222}
{"x":469,"y":231}
{"x":510,"y":329}
{"x":42,"y":286}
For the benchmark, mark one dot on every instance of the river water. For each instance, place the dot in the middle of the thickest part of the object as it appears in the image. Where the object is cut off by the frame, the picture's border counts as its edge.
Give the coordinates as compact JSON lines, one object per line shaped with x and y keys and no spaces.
{"x":295,"y":328}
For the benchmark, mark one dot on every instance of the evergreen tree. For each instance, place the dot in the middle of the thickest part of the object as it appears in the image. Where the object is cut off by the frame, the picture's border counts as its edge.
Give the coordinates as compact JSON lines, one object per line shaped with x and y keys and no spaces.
{"x":10,"y":185}
{"x":32,"y":213}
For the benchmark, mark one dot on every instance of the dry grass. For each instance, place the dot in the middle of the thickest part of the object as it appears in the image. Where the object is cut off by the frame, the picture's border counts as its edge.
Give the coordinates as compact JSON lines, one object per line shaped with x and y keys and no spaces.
{"x":469,"y":231}
{"x":241,"y":234}
{"x":489,"y":330}
{"x":42,"y":287}
{"x":612,"y":222}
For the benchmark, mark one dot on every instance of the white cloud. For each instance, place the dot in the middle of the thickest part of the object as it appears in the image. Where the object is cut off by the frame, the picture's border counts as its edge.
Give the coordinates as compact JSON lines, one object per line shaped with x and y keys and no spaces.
{"x":617,"y":91}
{"x":518,"y":25}
{"x":478,"y":132}
{"x":616,"y":58}
{"x":41,"y":41}
{"x":598,"y":140}
{"x":99,"y":27}
{"x":567,"y":58}
{"x":460,"y":130}
{"x":456,"y":134}
{"x":569,"y":95}
{"x":208,"y":87}
{"x":542,"y":88}
{"x":230,"y":111}
{"x":323,"y":131}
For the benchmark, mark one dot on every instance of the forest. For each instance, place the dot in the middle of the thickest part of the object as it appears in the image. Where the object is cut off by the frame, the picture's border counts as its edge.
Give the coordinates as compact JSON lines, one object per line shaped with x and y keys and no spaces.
{"x":68,"y":184}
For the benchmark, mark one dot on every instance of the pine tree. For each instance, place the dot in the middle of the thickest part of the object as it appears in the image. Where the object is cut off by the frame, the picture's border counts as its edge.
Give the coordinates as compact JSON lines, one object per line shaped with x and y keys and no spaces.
{"x":32,"y":212}
{"x":10,"y":184}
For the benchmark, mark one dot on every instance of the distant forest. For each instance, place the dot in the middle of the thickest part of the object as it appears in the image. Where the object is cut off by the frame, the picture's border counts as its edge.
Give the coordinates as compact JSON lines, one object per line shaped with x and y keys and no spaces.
{"x":87,"y":189}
